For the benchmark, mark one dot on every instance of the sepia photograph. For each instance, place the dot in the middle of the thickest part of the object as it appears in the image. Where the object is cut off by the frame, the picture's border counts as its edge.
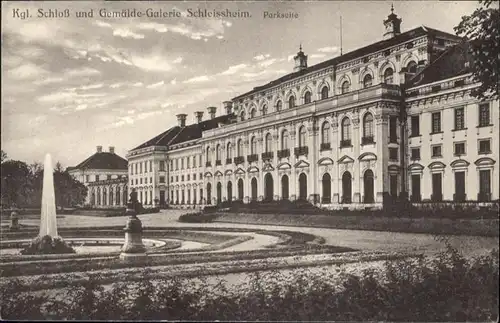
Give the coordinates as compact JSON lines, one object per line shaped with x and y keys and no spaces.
{"x":250,"y":161}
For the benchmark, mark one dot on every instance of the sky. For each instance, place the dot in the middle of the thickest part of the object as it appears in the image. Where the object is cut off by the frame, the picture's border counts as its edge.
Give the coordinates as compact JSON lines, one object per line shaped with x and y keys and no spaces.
{"x":70,"y":84}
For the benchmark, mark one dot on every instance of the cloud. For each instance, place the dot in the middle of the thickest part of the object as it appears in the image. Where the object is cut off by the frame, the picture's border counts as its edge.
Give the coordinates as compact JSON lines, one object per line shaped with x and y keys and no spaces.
{"x":261,"y":57}
{"x":84,"y":71}
{"x":178,"y":60}
{"x":290,"y":57}
{"x":332,"y":49}
{"x":234,"y":69}
{"x":154,"y":63}
{"x":155,"y":85}
{"x":91,"y":87}
{"x":173,"y":82}
{"x":268,"y":62}
{"x":126,"y":33}
{"x":198,"y":79}
{"x":102,"y":24}
{"x":317,"y":55}
{"x":26,"y":71}
{"x":57,"y":96}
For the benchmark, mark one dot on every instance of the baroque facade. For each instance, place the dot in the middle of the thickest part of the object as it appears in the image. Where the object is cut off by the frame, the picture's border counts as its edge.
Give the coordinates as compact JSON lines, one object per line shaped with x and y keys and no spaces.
{"x":342,"y":133}
{"x":105,"y":176}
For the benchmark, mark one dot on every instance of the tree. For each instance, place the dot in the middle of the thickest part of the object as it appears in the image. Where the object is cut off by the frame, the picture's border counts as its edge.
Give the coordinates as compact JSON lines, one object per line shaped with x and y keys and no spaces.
{"x":481,"y":29}
{"x":4,"y":156}
{"x":16,"y":185}
{"x":69,"y":192}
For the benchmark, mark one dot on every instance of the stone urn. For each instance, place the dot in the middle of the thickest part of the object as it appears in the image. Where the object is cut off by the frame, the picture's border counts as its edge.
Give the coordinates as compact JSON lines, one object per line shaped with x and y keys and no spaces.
{"x":133,"y":248}
{"x":14,"y":220}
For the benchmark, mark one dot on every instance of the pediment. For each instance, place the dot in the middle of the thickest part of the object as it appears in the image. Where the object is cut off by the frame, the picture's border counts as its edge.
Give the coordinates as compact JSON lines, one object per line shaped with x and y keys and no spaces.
{"x":301,"y":164}
{"x":252,"y":169}
{"x":345,"y":159}
{"x":284,"y":166}
{"x":415,"y":166}
{"x":436,"y":165}
{"x":459,"y":163}
{"x":393,"y":168}
{"x":325,"y":161}
{"x":485,"y":161}
{"x":228,"y":172}
{"x":367,"y":156}
{"x":240,"y":171}
{"x":208,"y":174}
{"x":218,"y":173}
{"x":267,"y":167}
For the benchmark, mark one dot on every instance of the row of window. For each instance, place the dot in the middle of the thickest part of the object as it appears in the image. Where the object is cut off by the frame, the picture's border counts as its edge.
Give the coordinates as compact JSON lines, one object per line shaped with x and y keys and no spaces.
{"x":484,"y":147}
{"x":96,"y":198}
{"x":180,"y":198}
{"x":137,"y":168}
{"x":99,"y":178}
{"x":140,"y":181}
{"x":388,"y":78}
{"x":460,"y":195}
{"x":179,"y":163}
{"x":484,"y":120}
{"x":188,"y":177}
{"x":368,"y":137}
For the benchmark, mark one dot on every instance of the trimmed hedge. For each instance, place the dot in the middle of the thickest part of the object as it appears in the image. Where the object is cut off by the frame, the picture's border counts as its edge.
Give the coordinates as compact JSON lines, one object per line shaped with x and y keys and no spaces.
{"x":197,"y":217}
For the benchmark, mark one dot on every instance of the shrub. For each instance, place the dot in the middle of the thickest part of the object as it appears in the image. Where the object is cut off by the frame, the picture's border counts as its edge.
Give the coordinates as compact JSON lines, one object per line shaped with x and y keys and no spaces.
{"x":197,"y":217}
{"x":47,"y":245}
{"x":445,"y":288}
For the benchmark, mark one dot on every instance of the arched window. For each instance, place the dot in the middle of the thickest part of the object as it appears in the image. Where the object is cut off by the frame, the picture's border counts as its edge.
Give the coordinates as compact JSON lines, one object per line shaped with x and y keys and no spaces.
{"x":367,"y":81}
{"x":345,"y":87}
{"x":291,"y":102}
{"x":302,"y":136}
{"x":219,"y":152}
{"x":279,"y":105}
{"x":325,"y":133}
{"x":324,"y":92}
{"x":209,"y":157}
{"x":368,"y":126}
{"x":239,"y":148}
{"x":228,"y":151}
{"x":411,"y":67}
{"x":388,"y":76}
{"x":346,"y":129}
{"x":253,"y":146}
{"x":307,"y":97}
{"x":269,"y":139}
{"x":253,"y":112}
{"x":264,"y":109}
{"x":284,"y":140}
{"x":242,"y":116}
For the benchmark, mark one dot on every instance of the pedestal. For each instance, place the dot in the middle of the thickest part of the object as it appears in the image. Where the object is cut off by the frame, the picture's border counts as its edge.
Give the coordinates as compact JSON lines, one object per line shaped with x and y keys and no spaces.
{"x":14,"y":221}
{"x":133,"y":248}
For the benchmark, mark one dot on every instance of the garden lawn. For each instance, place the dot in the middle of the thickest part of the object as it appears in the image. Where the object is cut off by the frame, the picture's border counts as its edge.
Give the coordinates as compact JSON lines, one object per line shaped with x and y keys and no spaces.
{"x":471,"y":227}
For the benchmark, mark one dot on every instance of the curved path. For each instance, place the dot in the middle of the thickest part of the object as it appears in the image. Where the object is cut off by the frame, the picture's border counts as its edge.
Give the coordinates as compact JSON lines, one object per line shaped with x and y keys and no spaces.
{"x":357,"y":239}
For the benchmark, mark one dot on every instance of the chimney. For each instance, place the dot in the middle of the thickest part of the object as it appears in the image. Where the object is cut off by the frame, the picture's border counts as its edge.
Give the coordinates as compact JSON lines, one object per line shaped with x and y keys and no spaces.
{"x":212,"y":111}
{"x":99,"y":149}
{"x":181,"y":118}
{"x":199,"y":116}
{"x":228,"y":106}
{"x":112,"y":149}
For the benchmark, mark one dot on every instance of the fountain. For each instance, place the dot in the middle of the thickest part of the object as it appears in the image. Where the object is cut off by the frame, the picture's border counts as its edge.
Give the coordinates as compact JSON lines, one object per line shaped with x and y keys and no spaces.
{"x":48,"y":241}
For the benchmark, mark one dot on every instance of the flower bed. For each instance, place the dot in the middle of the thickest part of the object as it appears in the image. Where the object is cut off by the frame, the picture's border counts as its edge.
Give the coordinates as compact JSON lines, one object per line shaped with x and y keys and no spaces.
{"x":443,"y":289}
{"x":77,"y":265}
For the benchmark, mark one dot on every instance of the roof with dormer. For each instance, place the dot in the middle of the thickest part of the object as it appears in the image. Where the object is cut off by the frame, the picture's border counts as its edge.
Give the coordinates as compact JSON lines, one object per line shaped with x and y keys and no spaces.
{"x":177,"y":135}
{"x":103,"y":160}
{"x":372,"y":48}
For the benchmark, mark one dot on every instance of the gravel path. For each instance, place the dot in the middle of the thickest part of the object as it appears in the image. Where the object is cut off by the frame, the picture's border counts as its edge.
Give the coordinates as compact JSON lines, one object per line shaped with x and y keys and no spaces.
{"x":357,"y":239}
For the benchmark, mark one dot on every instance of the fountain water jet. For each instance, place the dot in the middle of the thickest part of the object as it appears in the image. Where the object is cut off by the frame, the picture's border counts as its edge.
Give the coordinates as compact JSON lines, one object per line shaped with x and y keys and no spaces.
{"x":48,"y":220}
{"x":48,"y":241}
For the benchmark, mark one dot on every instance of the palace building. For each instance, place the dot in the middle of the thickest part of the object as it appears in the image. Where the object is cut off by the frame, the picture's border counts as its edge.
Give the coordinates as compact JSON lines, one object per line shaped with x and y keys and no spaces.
{"x":105,"y":175}
{"x":392,"y":119}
